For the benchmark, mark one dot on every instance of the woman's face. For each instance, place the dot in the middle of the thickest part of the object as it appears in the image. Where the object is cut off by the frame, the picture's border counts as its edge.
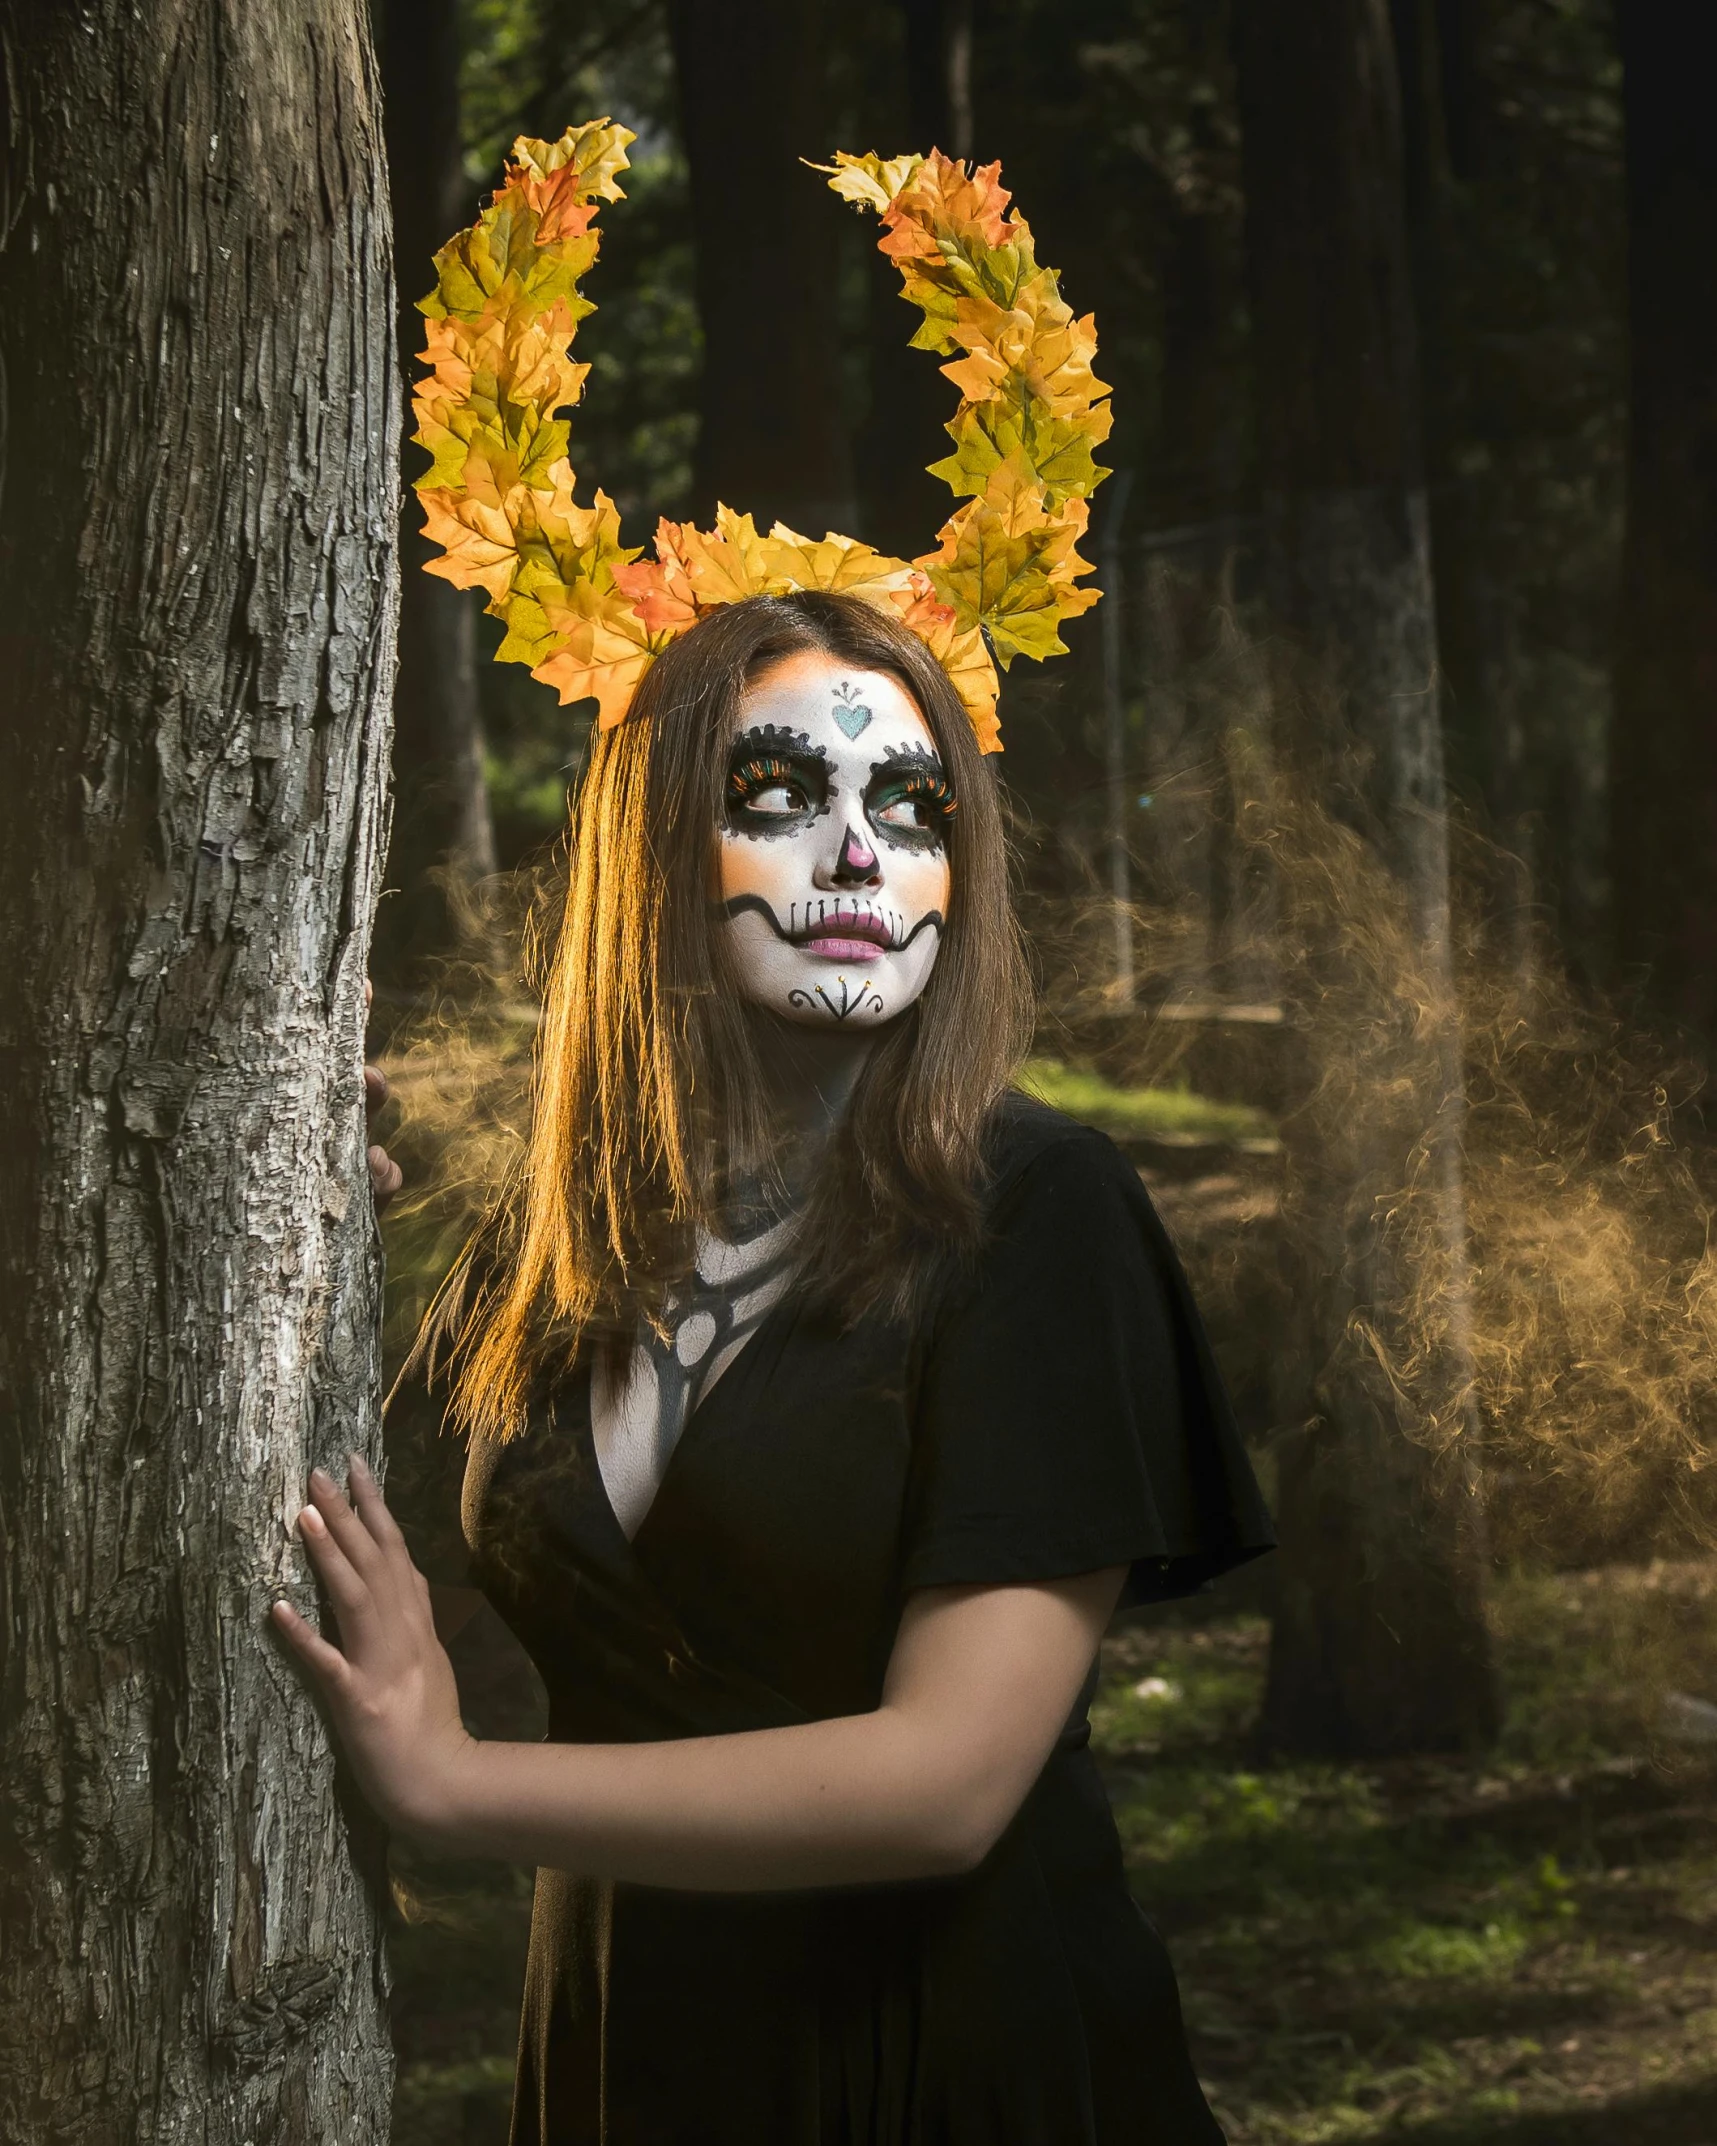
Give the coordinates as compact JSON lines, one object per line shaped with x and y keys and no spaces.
{"x":833,"y":863}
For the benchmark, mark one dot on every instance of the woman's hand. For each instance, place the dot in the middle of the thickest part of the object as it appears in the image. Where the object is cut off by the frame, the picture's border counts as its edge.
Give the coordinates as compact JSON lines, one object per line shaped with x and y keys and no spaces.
{"x":386,"y":1176}
{"x":388,"y":1685}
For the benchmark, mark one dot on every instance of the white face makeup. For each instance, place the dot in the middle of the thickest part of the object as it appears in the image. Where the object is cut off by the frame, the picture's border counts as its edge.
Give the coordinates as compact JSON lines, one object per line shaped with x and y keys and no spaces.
{"x":833,"y":861}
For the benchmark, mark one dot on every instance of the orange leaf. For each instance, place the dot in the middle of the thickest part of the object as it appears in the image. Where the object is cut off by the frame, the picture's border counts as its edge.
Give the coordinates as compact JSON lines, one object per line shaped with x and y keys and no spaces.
{"x":560,"y":212}
{"x":660,"y":592}
{"x":605,"y":660}
{"x":478,"y":538}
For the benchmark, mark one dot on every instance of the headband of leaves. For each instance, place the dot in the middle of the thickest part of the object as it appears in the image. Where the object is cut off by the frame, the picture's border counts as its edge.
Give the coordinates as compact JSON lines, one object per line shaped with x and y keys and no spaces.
{"x":590,"y":615}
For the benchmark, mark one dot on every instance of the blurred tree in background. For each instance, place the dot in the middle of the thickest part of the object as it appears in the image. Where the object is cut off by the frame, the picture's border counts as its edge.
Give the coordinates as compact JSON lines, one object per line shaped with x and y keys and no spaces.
{"x":443,"y":833}
{"x":1664,"y":791}
{"x":1379,"y":1640}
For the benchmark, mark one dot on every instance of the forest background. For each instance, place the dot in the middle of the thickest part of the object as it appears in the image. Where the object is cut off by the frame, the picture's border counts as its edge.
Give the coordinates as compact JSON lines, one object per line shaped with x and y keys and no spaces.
{"x":1414,"y":262}
{"x":1367,"y":841}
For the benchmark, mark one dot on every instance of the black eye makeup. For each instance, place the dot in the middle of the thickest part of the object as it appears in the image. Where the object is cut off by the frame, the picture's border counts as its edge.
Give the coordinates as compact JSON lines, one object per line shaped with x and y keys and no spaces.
{"x":777,"y":782}
{"x":909,"y":799}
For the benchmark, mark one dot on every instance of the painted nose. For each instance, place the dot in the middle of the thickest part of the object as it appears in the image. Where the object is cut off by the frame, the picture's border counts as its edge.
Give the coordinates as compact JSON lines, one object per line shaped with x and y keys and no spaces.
{"x":856,"y":864}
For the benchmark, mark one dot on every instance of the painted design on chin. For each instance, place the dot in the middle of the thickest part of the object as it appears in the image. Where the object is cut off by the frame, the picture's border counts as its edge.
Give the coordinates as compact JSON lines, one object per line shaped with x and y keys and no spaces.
{"x":849,"y":711}
{"x":866,"y":999}
{"x":801,"y":916}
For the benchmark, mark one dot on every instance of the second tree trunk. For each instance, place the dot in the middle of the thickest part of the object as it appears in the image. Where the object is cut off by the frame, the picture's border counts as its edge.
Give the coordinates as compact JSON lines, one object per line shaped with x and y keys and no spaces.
{"x":1379,"y":1642}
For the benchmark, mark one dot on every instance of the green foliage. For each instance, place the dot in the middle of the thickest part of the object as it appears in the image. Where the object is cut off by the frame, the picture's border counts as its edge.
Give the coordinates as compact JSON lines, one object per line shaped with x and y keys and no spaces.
{"x":1170,"y":1114}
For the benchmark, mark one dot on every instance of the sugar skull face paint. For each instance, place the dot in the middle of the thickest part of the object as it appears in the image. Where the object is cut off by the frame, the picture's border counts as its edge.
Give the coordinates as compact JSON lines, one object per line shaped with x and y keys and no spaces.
{"x":833,"y":863}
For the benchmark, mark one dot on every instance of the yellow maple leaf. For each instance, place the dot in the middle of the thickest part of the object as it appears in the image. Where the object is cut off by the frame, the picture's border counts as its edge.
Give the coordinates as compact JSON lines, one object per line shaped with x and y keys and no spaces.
{"x":607,"y":650}
{"x":836,"y":563}
{"x":724,"y":565}
{"x":594,"y":151}
{"x":1057,"y":449}
{"x":963,"y":655}
{"x":1008,"y":563}
{"x":870,"y":181}
{"x":477,"y":538}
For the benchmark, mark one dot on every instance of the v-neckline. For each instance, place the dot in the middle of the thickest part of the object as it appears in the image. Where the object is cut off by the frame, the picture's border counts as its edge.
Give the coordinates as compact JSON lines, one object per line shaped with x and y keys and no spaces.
{"x":694,"y":1415}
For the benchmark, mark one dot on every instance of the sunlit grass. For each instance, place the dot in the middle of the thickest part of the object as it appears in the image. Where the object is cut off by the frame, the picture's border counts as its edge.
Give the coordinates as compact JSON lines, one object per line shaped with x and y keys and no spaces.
{"x":1143,"y":1113}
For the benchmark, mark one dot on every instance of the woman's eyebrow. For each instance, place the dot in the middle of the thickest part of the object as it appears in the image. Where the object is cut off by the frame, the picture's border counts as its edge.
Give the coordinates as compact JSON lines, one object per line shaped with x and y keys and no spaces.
{"x":776,"y":738}
{"x":901,"y":757}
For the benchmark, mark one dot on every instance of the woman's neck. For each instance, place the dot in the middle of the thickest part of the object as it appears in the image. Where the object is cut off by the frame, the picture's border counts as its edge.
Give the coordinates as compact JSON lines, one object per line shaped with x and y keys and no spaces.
{"x":807,"y":1077}
{"x":809,"y":1074}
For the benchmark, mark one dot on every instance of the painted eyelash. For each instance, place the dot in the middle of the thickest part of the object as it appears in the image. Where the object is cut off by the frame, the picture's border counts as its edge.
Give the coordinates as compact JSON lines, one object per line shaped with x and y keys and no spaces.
{"x":744,"y":781}
{"x":935,"y":789}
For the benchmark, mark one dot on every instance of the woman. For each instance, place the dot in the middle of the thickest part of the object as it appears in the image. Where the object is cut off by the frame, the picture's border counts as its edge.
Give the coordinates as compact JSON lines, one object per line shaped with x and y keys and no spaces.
{"x":824,"y":1402}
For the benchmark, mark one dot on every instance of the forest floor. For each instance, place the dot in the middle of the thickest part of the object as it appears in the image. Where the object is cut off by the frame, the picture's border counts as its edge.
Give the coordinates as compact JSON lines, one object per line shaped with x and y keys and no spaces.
{"x":1515,"y":1952}
{"x":1518,"y":1951}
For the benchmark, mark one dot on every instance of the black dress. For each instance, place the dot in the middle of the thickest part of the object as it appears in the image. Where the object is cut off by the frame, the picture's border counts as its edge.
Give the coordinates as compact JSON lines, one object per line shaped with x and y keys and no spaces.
{"x":1056,"y":1411}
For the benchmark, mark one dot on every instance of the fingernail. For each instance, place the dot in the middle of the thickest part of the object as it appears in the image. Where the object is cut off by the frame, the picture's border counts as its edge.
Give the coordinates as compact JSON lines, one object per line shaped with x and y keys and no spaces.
{"x":321,"y":1478}
{"x":310,"y":1518}
{"x":358,"y":1465}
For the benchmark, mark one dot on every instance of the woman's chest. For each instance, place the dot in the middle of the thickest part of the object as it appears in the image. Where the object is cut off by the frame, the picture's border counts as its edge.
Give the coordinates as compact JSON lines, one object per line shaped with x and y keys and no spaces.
{"x":771,"y":1551}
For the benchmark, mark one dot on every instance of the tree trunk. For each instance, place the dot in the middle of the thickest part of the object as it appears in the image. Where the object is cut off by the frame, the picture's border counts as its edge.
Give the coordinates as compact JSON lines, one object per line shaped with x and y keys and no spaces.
{"x":910,"y":403}
{"x":1380,"y":1643}
{"x":772,"y":438}
{"x":1664,"y":766}
{"x":1454,"y":161}
{"x":443,"y":837}
{"x":197,"y":535}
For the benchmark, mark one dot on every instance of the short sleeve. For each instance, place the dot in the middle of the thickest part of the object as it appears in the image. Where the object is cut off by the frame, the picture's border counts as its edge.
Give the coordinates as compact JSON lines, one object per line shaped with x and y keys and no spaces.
{"x":1070,"y":1414}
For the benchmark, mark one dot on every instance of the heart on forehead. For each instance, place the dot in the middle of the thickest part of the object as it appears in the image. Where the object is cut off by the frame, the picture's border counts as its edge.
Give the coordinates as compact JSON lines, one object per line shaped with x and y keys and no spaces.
{"x":851,"y":717}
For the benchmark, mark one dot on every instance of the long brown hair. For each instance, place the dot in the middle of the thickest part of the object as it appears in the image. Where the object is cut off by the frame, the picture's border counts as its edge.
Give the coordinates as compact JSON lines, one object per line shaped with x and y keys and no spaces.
{"x":646,"y":1073}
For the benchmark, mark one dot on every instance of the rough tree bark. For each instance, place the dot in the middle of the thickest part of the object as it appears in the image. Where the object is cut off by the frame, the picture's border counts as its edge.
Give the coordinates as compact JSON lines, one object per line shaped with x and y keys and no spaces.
{"x":197,"y":568}
{"x":1663,"y":776}
{"x":1379,"y":1643}
{"x":443,"y":836}
{"x":772,"y":435}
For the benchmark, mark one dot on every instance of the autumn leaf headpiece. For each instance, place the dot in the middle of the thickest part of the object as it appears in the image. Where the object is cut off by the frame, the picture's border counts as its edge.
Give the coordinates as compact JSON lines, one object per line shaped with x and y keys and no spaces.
{"x":589,"y":615}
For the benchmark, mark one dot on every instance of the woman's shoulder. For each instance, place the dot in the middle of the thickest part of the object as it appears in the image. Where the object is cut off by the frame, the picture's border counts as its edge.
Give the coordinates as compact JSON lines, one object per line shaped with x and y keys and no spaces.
{"x":1038,"y":1154}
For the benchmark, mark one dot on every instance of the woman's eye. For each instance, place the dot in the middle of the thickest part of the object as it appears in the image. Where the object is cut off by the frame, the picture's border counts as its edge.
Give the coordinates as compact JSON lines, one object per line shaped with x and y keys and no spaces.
{"x":916,"y":808}
{"x":769,"y":789}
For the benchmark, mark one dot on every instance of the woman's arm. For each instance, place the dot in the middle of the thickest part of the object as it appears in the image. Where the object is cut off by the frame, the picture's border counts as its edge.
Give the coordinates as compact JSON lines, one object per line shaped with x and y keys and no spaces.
{"x":978,"y":1686}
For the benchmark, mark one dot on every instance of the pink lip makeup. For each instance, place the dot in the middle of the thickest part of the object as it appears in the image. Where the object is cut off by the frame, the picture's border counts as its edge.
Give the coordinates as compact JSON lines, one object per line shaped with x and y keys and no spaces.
{"x":855,"y":938}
